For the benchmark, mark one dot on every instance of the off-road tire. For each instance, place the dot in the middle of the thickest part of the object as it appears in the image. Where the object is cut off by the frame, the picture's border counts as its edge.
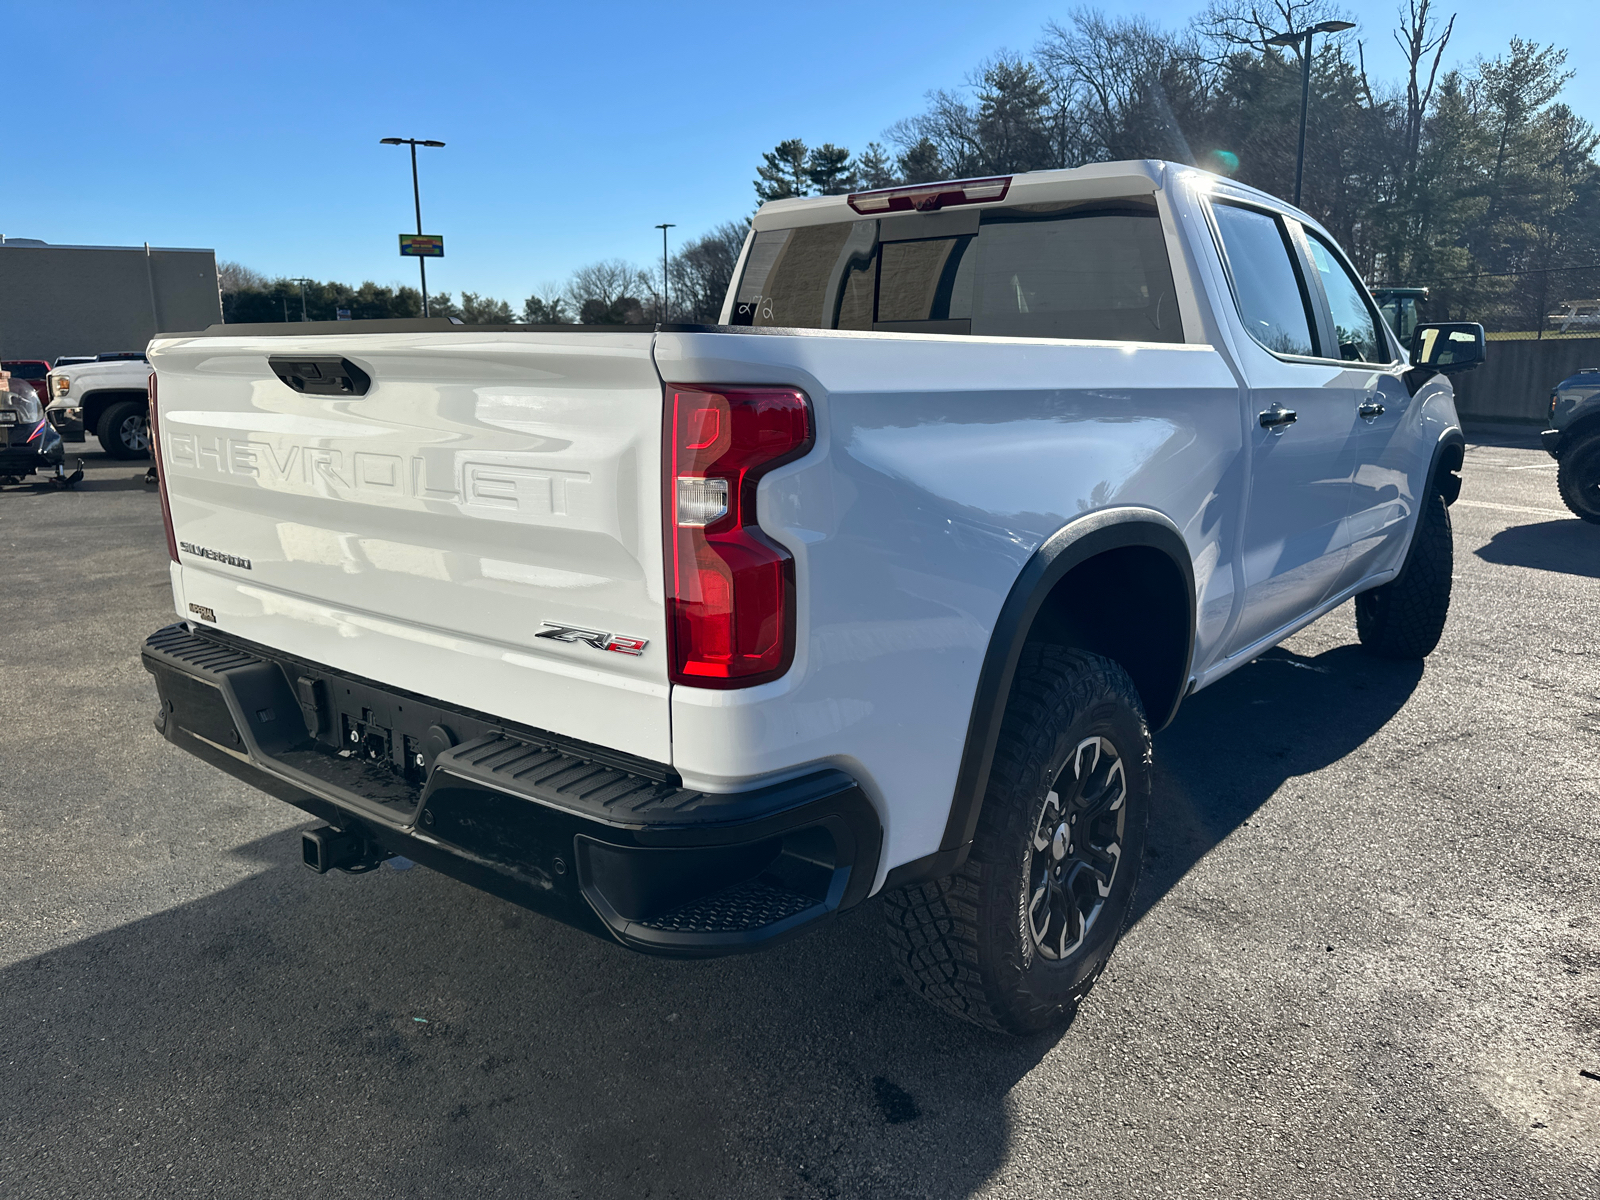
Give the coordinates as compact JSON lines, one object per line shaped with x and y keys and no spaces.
{"x":1404,"y":619}
{"x":1578,"y":478}
{"x":964,"y":942}
{"x":115,"y":424}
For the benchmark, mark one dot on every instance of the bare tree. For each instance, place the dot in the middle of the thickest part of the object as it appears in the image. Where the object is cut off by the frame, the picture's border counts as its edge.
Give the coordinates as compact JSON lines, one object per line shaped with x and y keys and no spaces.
{"x":949,"y":126}
{"x":607,"y":281}
{"x":1417,"y":39}
{"x":1124,"y":87}
{"x":236,"y":277}
{"x":547,"y":306}
{"x":1249,"y":23}
{"x":609,"y":292}
{"x":702,"y":271}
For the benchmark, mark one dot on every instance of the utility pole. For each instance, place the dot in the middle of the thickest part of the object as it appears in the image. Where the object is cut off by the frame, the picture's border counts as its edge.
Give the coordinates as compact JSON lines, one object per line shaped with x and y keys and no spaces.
{"x":302,"y":283}
{"x":416,"y":196}
{"x":664,"y":228}
{"x":1294,"y":37}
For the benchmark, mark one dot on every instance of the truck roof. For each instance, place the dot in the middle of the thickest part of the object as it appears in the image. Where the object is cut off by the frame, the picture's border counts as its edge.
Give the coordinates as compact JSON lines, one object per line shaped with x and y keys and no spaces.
{"x":1092,"y":181}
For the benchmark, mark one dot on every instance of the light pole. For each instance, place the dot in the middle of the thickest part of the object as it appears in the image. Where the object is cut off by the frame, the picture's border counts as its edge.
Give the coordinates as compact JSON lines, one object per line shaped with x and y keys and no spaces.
{"x":664,"y":228}
{"x":416,"y":195}
{"x":1293,"y":38}
{"x":302,"y":283}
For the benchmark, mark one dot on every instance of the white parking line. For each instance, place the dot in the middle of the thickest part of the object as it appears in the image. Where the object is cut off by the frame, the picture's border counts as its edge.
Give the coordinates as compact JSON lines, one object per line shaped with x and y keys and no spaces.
{"x":1536,"y":467}
{"x":1542,"y":512}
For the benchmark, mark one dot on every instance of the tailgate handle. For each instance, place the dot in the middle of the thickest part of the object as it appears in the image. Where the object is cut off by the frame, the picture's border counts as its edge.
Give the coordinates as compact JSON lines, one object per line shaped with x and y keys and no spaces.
{"x":318,"y":375}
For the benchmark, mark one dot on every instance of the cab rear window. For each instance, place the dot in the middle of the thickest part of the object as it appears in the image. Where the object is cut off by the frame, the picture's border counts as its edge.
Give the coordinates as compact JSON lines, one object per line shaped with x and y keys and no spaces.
{"x":1095,"y":271}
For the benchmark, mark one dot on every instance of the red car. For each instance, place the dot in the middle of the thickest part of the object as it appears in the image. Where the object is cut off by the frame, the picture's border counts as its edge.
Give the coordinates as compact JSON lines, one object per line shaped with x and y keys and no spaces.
{"x":33,"y":370}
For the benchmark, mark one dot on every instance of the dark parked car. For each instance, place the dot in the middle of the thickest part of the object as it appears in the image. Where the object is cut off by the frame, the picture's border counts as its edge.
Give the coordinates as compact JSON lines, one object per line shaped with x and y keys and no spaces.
{"x":27,"y":442}
{"x":1573,"y":440}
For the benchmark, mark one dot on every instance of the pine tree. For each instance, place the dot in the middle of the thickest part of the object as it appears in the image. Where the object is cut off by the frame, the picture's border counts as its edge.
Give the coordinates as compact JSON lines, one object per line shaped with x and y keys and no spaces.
{"x":921,"y":164}
{"x":874,"y":168}
{"x":830,"y":170}
{"x":783,"y":172}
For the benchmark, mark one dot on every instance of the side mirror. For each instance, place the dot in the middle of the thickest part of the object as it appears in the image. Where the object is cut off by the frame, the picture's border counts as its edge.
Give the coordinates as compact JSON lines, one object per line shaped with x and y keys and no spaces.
{"x":1447,"y":346}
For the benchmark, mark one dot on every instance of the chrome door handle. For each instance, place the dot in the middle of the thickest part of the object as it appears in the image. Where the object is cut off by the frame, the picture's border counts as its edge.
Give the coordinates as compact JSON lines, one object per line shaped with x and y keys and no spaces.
{"x":1278,"y":415}
{"x":1371,"y":409}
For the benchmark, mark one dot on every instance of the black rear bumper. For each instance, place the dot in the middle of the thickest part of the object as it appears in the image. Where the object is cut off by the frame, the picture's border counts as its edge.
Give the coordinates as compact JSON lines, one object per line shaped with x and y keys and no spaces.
{"x":608,"y":843}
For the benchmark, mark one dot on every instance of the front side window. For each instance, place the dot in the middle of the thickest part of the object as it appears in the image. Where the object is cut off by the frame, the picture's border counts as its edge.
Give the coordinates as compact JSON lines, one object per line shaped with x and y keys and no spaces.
{"x":1360,"y":339}
{"x":1070,"y":271}
{"x":1265,"y":283}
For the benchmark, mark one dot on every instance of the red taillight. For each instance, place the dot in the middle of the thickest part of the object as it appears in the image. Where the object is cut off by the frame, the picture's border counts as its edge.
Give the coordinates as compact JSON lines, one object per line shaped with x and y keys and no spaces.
{"x":730,"y":588}
{"x":161,"y":469}
{"x":930,"y":197}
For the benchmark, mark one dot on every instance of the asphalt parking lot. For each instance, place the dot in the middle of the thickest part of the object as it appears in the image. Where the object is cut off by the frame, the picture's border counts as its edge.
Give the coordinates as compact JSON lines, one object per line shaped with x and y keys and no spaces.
{"x":1366,"y":959}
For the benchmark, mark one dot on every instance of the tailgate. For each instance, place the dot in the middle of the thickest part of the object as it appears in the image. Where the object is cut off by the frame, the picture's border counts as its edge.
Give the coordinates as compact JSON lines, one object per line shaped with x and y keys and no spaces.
{"x":486,"y":488}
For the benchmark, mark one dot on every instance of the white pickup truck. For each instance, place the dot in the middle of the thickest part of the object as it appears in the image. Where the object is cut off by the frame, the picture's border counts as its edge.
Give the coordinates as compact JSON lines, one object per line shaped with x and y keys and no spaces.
{"x":696,"y":636}
{"x":105,"y":398}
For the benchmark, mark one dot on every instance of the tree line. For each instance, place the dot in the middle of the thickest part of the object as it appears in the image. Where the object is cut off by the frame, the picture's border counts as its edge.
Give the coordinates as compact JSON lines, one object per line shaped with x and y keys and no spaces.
{"x":1475,"y":180}
{"x":607,"y":292}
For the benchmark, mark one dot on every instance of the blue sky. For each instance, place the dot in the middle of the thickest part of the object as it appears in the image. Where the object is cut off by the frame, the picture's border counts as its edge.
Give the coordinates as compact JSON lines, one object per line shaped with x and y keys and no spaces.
{"x":572,"y":129}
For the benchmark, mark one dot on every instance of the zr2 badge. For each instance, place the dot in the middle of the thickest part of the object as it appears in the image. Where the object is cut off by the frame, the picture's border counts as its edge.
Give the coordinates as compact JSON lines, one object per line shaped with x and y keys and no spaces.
{"x":614,"y":642}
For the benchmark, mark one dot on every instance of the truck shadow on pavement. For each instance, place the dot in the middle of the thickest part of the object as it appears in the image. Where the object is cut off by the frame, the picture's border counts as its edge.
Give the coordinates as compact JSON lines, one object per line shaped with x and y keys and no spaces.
{"x":403,"y":1034}
{"x":1236,"y":743}
{"x":1570,"y":546}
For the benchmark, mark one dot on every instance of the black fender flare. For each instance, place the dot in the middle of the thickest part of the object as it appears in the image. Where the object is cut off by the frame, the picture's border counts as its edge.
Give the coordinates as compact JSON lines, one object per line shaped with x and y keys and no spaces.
{"x":1449,"y":453}
{"x":1587,"y":422}
{"x":1070,"y":546}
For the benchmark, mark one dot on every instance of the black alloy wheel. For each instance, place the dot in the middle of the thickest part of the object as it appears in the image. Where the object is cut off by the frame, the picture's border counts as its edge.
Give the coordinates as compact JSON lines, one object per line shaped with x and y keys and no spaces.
{"x":1015,"y":938}
{"x":1077,"y":849}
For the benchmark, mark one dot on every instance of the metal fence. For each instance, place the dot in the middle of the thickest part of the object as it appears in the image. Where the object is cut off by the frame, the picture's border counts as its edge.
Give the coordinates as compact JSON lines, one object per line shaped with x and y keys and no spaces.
{"x":1536,"y":305}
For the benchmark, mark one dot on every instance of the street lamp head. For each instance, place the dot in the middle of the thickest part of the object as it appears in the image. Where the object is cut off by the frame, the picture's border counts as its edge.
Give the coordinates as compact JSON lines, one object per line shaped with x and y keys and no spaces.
{"x":1333,"y":27}
{"x":391,"y":141}
{"x":1286,"y":39}
{"x":431,"y":143}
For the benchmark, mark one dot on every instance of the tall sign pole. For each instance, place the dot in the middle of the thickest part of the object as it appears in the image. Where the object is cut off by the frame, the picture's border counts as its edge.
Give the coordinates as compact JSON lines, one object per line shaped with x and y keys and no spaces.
{"x":664,"y":228}
{"x":416,"y":197}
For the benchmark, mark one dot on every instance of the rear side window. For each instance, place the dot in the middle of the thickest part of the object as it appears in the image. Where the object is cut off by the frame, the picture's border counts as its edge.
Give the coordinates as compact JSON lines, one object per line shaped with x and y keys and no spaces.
{"x":1079,"y":272}
{"x":1265,"y":282}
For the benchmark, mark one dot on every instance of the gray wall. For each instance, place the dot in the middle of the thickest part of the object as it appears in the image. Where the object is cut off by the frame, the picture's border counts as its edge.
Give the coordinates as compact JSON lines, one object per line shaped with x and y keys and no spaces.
{"x":93,"y":299}
{"x":1516,"y":377}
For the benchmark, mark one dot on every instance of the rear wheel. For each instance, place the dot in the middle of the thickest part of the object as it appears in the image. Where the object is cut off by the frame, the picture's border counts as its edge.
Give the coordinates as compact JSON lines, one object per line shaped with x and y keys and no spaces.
{"x":1578,"y":478}
{"x":125,"y":430}
{"x":1405,"y":617}
{"x":1016,"y":938}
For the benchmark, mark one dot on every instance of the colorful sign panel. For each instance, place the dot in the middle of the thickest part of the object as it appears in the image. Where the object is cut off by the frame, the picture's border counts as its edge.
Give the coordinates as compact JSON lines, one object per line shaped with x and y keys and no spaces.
{"x":421,"y":245}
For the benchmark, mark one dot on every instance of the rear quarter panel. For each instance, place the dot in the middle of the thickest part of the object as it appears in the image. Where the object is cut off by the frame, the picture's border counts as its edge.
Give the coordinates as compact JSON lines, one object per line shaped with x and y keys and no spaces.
{"x":941,"y":465}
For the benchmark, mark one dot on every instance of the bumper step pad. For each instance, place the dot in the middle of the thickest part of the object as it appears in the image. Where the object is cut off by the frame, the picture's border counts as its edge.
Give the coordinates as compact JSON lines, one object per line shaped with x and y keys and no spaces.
{"x":609,"y":844}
